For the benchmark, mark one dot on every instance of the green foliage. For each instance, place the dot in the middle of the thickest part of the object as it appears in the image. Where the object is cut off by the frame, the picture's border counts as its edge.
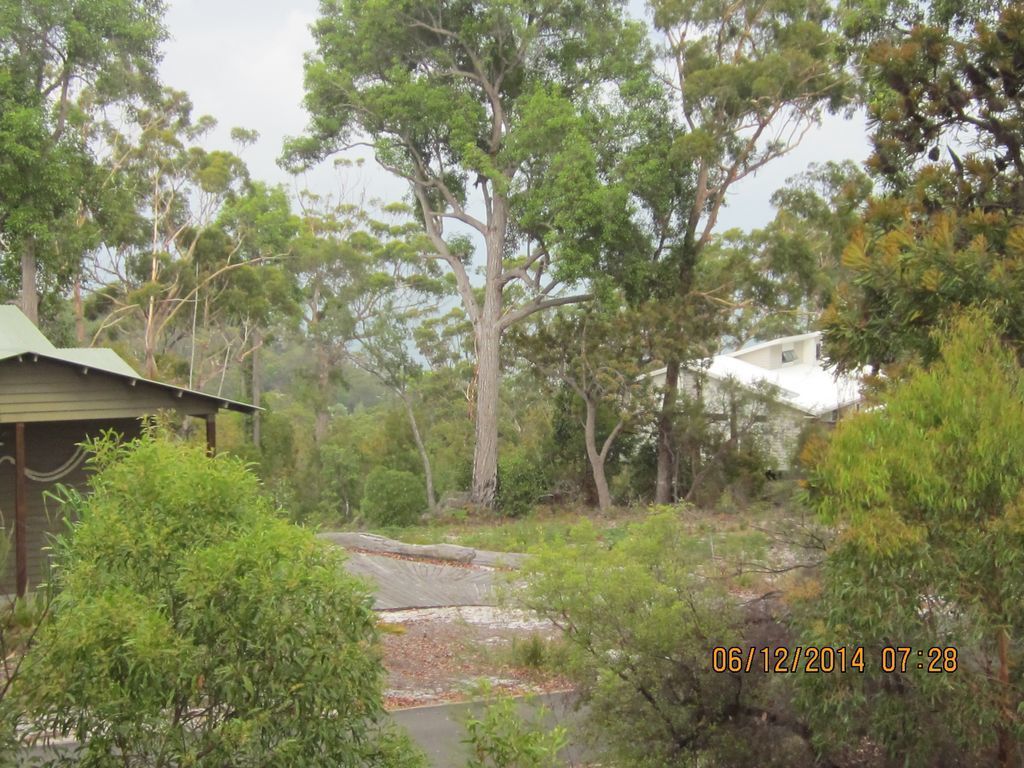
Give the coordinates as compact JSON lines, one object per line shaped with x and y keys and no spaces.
{"x":927,"y":493}
{"x":598,"y":353}
{"x":907,"y":276}
{"x":20,"y":621}
{"x":503,"y":738}
{"x":393,"y":497}
{"x":726,"y":441}
{"x":61,"y":64}
{"x":539,"y":652}
{"x":783,"y":275}
{"x":947,"y":110}
{"x":357,"y":269}
{"x":522,"y":482}
{"x":642,"y":617}
{"x":194,"y":627}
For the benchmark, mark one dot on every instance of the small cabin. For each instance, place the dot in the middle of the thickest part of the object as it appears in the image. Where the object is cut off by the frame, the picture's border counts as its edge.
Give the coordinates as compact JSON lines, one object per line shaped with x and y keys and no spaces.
{"x":51,"y":400}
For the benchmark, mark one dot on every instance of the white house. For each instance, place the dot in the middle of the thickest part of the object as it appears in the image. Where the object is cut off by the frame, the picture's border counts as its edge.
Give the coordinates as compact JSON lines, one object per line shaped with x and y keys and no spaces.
{"x":792,"y":369}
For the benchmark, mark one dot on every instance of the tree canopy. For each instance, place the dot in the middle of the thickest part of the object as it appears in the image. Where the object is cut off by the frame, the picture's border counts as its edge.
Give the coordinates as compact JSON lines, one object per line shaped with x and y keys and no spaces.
{"x":496,"y":115}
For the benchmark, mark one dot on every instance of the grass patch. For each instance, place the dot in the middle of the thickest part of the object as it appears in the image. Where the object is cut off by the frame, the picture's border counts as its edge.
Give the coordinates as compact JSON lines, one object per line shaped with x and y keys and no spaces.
{"x":541,"y":527}
{"x":732,"y":544}
{"x":550,"y":654}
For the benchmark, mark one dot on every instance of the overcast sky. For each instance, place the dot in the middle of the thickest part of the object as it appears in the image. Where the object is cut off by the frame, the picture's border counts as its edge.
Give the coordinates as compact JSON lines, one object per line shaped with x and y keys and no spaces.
{"x":241,"y":62}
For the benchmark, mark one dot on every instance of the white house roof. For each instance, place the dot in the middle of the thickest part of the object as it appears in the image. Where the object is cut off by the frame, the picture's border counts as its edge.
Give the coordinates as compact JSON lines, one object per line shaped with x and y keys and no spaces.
{"x":809,"y":387}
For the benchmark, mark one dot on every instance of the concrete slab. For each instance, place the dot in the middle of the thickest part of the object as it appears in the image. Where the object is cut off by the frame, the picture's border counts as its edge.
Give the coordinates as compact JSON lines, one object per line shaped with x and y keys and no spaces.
{"x":371,"y":542}
{"x":416,"y":584}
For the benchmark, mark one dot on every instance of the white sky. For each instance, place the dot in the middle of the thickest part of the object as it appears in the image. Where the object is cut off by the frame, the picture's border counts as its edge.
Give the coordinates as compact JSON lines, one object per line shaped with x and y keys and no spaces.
{"x":241,"y":62}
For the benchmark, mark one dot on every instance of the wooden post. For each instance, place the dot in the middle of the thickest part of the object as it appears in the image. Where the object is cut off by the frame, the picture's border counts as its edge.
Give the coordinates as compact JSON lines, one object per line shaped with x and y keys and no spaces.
{"x":211,"y":434}
{"x":20,"y":511}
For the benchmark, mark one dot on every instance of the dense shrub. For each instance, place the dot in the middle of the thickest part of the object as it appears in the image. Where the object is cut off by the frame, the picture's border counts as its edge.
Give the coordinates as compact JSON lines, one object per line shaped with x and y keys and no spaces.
{"x":196,"y":627}
{"x":641,"y":620}
{"x":503,"y":737}
{"x":522,"y":482}
{"x":928,"y":491}
{"x":393,"y":497}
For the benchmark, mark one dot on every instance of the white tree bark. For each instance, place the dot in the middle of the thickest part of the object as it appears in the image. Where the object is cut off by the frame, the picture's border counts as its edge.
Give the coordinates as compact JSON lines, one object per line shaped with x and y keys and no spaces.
{"x":29,"y":282}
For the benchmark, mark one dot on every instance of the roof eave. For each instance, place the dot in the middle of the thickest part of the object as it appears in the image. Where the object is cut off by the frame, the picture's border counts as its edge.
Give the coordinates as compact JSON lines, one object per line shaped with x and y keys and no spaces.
{"x":221,"y":402}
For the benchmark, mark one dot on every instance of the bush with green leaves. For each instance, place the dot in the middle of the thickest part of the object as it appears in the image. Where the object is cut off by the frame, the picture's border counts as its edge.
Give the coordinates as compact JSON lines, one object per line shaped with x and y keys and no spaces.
{"x":20,"y":621}
{"x":641,"y":619}
{"x":928,"y":493}
{"x":393,"y":497}
{"x":502,"y":736}
{"x":522,"y":482}
{"x":196,"y":627}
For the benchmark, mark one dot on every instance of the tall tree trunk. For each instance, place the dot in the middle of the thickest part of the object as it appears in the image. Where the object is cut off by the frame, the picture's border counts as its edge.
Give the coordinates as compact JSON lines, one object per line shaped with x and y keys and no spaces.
{"x":485,"y":455}
{"x":30,"y":282}
{"x":428,"y":472}
{"x":257,"y":388}
{"x":488,"y":361}
{"x":79,"y":311}
{"x":596,"y":458}
{"x":151,"y":369}
{"x":664,"y":489}
{"x":323,"y":382}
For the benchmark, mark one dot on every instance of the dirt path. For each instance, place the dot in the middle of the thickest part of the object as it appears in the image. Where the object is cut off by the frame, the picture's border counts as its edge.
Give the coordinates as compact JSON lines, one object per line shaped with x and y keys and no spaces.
{"x":444,"y":634}
{"x":446,"y":654}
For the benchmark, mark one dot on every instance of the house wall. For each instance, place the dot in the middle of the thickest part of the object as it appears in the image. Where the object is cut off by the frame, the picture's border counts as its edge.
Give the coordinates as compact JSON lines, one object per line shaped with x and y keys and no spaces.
{"x":769,"y":357}
{"x":47,"y":447}
{"x":44,"y":390}
{"x":806,"y":350}
{"x":777,"y":433}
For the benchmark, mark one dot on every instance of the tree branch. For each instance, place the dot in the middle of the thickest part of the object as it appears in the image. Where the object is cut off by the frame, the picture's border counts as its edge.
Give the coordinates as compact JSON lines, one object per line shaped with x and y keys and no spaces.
{"x":537,"y":305}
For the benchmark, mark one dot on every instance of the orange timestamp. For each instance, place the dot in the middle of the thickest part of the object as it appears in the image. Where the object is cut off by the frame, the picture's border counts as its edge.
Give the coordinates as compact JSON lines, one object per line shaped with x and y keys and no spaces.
{"x":827,"y":659}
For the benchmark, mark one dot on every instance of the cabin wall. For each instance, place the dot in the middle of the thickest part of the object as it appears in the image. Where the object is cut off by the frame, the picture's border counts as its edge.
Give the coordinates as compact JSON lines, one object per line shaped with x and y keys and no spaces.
{"x":44,"y":390}
{"x":47,"y":447}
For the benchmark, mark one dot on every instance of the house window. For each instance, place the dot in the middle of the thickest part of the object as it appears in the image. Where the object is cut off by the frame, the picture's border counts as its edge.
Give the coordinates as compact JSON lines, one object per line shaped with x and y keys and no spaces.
{"x":788,"y":355}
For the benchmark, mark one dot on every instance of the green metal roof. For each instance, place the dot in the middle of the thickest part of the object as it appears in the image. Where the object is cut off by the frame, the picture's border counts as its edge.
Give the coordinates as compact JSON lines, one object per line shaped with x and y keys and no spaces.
{"x":17,"y":332}
{"x":98,"y":358}
{"x":20,"y":337}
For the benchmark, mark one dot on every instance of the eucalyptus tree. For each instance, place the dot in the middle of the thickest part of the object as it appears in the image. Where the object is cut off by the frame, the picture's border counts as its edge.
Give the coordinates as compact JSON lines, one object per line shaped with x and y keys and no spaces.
{"x":779,"y":278}
{"x":385,"y":353}
{"x":61,"y":63}
{"x":600,"y":353}
{"x":496,"y":115}
{"x":178,"y":189}
{"x":353,"y":269}
{"x":750,"y":79}
{"x":235,"y":314}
